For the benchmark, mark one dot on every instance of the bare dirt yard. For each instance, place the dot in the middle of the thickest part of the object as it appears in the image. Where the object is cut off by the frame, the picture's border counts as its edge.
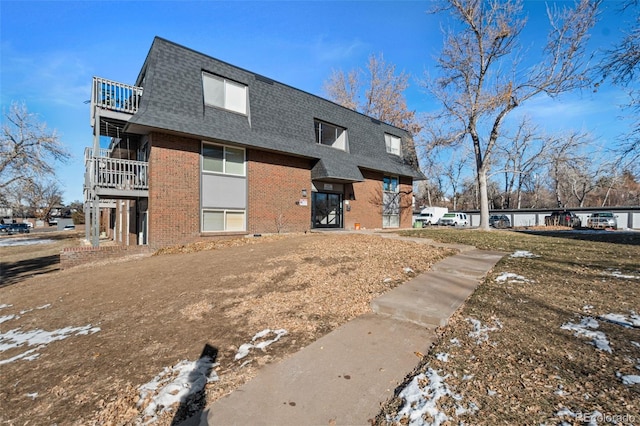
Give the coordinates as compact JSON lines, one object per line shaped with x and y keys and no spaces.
{"x":76,"y":345}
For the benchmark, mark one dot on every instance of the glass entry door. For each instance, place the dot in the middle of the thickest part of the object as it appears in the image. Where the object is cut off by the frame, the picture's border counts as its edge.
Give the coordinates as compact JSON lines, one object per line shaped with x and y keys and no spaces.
{"x":326,"y":209}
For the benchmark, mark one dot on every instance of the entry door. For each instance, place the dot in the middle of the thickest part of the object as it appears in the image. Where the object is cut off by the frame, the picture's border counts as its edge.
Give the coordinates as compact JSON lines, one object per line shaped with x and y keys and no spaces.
{"x":326,"y":210}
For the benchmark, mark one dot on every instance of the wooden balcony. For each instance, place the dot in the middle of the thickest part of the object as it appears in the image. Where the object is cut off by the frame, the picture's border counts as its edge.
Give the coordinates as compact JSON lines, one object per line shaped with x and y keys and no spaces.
{"x":112,"y":104}
{"x":118,"y":178}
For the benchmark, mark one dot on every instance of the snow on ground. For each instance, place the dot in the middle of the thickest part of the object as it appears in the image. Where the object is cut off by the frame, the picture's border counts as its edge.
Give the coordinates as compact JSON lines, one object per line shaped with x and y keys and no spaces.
{"x":14,"y":242}
{"x":16,"y":338}
{"x":38,"y":338}
{"x":632,"y":321}
{"x":421,"y":400}
{"x":510,"y":277}
{"x":586,"y":329}
{"x":182,"y":383}
{"x":618,"y":274}
{"x":523,"y":253}
{"x":481,"y":333}
{"x":174,"y":386}
{"x":244,"y":349}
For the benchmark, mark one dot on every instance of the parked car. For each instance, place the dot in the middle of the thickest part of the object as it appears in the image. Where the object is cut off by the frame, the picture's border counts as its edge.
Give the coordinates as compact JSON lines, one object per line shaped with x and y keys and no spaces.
{"x":563,"y":218}
{"x":601,"y":220}
{"x":499,"y":221}
{"x":18,"y":228}
{"x":69,"y":228}
{"x":454,"y":219}
{"x":4,"y":228}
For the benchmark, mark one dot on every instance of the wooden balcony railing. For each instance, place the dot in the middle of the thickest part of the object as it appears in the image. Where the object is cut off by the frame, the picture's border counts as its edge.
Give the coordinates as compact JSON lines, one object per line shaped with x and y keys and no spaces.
{"x":115,"y":96}
{"x":104,"y":172}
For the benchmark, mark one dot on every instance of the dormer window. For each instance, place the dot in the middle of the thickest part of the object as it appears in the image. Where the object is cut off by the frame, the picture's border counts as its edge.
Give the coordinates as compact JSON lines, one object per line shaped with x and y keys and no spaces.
{"x":331,"y":135}
{"x":392,"y":143}
{"x":223,"y":93}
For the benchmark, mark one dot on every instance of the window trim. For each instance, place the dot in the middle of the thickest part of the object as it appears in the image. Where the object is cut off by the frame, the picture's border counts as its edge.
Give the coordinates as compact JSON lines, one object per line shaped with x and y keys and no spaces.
{"x":318,"y":134}
{"x":397,"y":199}
{"x":224,"y":159}
{"x":390,"y":145}
{"x":225,"y":81}
{"x":224,"y":212}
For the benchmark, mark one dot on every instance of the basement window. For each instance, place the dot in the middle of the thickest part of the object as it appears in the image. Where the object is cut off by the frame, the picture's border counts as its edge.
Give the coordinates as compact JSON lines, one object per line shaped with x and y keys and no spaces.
{"x":223,"y":220}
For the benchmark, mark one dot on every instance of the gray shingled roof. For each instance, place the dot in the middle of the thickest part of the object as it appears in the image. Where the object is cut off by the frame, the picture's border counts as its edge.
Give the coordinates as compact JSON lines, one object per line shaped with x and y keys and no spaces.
{"x":281,"y":118}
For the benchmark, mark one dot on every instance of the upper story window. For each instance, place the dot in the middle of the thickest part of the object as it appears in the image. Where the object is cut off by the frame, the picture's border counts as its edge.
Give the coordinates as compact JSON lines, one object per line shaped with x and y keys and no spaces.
{"x":223,"y":159}
{"x":392,"y":143}
{"x":390,"y":184}
{"x":329,"y":134}
{"x":223,"y":93}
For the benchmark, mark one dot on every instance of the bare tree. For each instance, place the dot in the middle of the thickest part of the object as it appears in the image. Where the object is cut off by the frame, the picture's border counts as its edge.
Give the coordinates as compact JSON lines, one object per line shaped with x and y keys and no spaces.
{"x":28,"y":151}
{"x":522,"y":153}
{"x":622,"y":65}
{"x":483,"y":77}
{"x":376,"y":92}
{"x":42,"y":197}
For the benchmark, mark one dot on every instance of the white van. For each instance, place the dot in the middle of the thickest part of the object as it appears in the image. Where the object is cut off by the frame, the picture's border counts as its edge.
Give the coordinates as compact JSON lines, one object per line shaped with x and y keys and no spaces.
{"x":454,"y":219}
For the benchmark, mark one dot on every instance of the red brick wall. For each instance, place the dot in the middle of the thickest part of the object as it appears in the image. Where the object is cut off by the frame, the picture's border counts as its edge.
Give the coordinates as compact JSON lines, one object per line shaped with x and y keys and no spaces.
{"x":366,"y":209}
{"x":75,"y":256}
{"x":275,"y":185}
{"x":174,"y":189}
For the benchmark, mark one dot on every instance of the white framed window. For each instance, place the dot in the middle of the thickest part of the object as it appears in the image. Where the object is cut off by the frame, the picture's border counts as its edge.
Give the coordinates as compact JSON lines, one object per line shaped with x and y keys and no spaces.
{"x":223,"y":159}
{"x":223,"y":220}
{"x":331,"y":135}
{"x":223,"y":93}
{"x":390,"y":202}
{"x":392,"y":143}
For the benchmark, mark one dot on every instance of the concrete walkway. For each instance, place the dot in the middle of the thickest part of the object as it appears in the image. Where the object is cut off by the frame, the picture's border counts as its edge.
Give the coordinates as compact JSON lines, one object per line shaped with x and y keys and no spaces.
{"x":343,"y":377}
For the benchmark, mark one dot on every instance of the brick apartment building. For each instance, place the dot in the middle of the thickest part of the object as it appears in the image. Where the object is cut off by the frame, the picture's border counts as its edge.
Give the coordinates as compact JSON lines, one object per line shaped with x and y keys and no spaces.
{"x":199,"y":148}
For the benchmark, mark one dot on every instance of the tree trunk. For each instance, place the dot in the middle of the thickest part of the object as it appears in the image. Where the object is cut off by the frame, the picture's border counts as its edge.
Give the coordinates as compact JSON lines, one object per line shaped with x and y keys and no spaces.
{"x":484,"y":199}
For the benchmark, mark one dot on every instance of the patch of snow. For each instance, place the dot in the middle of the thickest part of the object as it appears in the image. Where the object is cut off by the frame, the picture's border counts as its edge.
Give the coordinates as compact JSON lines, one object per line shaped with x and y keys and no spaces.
{"x":421,"y":396}
{"x":29,"y":355}
{"x":511,"y":278}
{"x":636,"y":344}
{"x":6,"y":318}
{"x":587,"y":308}
{"x":491,"y":392}
{"x":421,"y":400}
{"x":632,"y":321}
{"x":408,"y":270}
{"x":565,"y":412}
{"x":33,"y":395}
{"x":4,"y":305}
{"x":481,"y":333}
{"x":387,"y":280}
{"x":48,"y":305}
{"x":244,"y":349}
{"x":630,"y":379}
{"x":442,"y":356}
{"x":585,"y":329}
{"x":616,"y":273}
{"x":14,"y":242}
{"x":467,"y":377}
{"x":40,"y":338}
{"x":175,"y":385}
{"x":455,"y":341}
{"x":523,"y":253}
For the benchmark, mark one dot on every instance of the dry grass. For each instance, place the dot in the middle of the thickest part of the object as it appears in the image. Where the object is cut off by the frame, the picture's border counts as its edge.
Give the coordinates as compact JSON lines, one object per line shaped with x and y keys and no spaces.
{"x":530,"y":369}
{"x":158,"y":310}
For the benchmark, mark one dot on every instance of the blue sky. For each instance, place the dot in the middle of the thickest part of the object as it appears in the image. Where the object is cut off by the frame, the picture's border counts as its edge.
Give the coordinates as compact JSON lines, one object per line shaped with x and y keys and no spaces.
{"x":49,"y":51}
